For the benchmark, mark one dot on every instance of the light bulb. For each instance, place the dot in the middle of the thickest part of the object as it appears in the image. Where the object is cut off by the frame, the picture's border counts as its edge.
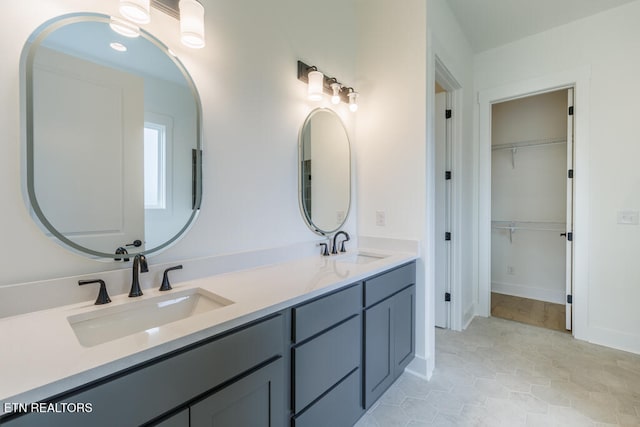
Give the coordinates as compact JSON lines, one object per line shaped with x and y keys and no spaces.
{"x":316,"y":82}
{"x":335,"y":98}
{"x":136,"y":10}
{"x":353,"y":101}
{"x":192,"y":23}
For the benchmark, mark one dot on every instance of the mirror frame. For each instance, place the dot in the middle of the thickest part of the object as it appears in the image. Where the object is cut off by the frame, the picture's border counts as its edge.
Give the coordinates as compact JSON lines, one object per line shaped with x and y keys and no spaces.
{"x":27,"y":109}
{"x":305,"y":215}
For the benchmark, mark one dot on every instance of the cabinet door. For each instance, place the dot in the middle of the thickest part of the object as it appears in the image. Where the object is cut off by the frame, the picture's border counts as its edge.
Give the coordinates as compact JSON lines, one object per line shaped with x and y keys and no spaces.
{"x":339,"y":407}
{"x":378,"y":357}
{"x":181,"y":419}
{"x":404,"y":307}
{"x":254,"y":401}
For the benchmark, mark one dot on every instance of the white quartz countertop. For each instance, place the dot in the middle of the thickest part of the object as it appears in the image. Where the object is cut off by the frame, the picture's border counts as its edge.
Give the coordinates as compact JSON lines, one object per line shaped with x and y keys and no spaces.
{"x":41,"y":355}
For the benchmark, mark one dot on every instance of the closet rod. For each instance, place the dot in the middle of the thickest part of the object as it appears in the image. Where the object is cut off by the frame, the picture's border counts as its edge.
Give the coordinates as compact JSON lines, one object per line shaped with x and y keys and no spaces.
{"x":526,"y":228}
{"x":512,"y":227}
{"x":529,"y":144}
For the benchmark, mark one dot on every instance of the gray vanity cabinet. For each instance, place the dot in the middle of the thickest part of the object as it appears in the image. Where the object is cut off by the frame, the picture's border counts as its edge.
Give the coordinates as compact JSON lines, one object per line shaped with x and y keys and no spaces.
{"x":326,"y":360}
{"x":256,"y":400}
{"x":181,"y":419}
{"x":248,"y":358}
{"x":317,"y":364}
{"x":389,"y":319}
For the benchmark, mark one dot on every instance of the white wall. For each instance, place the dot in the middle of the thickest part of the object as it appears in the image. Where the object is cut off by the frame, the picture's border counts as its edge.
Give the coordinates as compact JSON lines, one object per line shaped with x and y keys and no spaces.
{"x":449,"y":44}
{"x":607,"y":43}
{"x":391,"y":138}
{"x":253,"y":107}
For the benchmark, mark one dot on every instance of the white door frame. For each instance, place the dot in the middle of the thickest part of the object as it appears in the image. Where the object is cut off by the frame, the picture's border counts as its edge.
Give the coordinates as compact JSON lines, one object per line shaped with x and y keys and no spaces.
{"x":454,"y":90}
{"x":579,"y":79}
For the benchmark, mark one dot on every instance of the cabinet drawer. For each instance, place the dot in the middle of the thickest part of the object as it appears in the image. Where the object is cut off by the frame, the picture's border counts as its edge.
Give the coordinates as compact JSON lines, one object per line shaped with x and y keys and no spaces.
{"x":321,"y":314}
{"x":339,"y":407}
{"x":320,"y":363}
{"x":386,"y":284}
{"x":144,"y":393}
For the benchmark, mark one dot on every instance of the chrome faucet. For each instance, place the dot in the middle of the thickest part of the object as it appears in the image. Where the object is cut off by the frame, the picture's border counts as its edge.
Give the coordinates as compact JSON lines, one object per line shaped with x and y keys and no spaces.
{"x":335,"y":238}
{"x":139,"y":264}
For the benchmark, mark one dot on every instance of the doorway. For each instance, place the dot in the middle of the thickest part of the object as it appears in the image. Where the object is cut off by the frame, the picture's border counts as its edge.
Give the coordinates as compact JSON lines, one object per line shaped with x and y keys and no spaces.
{"x":532,"y":209}
{"x":447,"y":119}
{"x":443,"y":115}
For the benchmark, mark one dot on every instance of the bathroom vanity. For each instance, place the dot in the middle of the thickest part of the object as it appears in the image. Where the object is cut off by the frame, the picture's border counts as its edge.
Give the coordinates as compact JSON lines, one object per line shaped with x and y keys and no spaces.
{"x":295,"y":340}
{"x":304,"y":356}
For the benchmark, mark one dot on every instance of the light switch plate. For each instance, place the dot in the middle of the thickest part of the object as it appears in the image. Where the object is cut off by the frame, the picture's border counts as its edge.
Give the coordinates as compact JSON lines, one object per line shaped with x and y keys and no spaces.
{"x":381,"y":218}
{"x":628,"y":217}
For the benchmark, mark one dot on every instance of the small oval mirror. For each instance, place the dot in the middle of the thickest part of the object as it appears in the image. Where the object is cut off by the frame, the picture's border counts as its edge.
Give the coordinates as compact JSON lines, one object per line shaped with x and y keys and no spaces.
{"x":113,"y":138}
{"x":325,"y":171}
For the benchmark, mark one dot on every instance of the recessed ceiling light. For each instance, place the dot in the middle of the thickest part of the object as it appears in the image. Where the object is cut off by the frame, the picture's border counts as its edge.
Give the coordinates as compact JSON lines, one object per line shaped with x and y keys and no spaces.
{"x":118,"y":46}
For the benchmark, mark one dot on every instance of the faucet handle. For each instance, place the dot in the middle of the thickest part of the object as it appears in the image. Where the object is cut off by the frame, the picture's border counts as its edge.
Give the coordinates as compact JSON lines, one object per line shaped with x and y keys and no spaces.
{"x":121,"y":251}
{"x":325,"y":248}
{"x":103,"y":296}
{"x":166,"y":286}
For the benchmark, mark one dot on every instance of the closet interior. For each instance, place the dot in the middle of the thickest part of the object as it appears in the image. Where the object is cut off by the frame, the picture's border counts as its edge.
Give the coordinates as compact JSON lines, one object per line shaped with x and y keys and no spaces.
{"x":529,"y":205}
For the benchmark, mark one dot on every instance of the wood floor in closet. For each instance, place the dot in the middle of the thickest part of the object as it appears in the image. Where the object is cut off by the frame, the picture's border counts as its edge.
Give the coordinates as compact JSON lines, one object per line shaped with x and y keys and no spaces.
{"x":533,"y":312}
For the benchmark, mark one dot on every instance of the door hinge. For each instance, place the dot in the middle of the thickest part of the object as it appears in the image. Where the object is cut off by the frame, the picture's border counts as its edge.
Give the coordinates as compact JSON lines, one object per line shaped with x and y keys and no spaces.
{"x":569,"y":299}
{"x":570,"y":173}
{"x":447,"y":297}
{"x":447,"y":236}
{"x":571,"y":110}
{"x":447,"y":175}
{"x":447,"y":114}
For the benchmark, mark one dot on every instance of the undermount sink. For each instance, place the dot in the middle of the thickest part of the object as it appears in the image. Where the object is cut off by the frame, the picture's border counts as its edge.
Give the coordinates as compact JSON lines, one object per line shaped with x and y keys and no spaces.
{"x":361,"y":258}
{"x":111,"y":323}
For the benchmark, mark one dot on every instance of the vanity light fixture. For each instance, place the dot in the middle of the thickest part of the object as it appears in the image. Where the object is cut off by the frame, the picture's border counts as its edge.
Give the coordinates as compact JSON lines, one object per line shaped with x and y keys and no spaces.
{"x":353,"y":100}
{"x":316,"y":80}
{"x":137,"y":11}
{"x":190,"y":13}
{"x":192,"y":23}
{"x":336,"y":88}
{"x":319,"y":84}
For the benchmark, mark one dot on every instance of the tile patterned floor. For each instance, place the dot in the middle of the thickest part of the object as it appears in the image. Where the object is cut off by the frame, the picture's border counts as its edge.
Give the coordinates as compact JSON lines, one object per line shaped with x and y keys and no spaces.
{"x":503,"y":373}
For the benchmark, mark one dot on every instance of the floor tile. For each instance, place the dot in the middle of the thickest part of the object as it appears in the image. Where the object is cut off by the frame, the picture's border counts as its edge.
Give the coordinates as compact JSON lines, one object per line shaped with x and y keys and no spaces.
{"x":503,"y":373}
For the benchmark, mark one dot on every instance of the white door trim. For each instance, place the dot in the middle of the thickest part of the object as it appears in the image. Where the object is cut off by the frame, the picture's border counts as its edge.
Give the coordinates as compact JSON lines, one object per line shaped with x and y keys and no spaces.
{"x":578,"y":78}
{"x":455,"y":93}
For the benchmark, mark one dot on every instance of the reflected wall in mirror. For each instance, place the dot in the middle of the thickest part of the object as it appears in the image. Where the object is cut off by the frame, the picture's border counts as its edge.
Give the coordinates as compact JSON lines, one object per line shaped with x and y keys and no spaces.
{"x":325,"y":171}
{"x":113,"y":138}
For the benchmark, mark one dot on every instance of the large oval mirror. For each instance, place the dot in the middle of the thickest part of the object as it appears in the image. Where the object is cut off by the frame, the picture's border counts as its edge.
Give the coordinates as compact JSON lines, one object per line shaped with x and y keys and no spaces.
{"x":113,"y":138}
{"x":325,"y":171}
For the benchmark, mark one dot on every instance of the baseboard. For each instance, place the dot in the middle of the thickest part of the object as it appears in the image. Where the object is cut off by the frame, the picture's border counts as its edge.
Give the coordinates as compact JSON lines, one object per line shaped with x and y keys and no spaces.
{"x":540,"y":294}
{"x":615,"y":339}
{"x":468,"y":317}
{"x":420,"y":367}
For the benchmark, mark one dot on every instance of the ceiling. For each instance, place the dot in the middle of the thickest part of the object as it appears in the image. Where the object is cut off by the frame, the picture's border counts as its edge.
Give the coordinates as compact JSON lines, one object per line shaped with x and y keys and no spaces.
{"x":491,"y":23}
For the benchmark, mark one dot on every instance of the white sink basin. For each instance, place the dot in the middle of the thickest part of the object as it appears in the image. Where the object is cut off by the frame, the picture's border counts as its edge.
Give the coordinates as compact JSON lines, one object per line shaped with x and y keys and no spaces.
{"x":111,"y":323}
{"x":360,"y":258}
